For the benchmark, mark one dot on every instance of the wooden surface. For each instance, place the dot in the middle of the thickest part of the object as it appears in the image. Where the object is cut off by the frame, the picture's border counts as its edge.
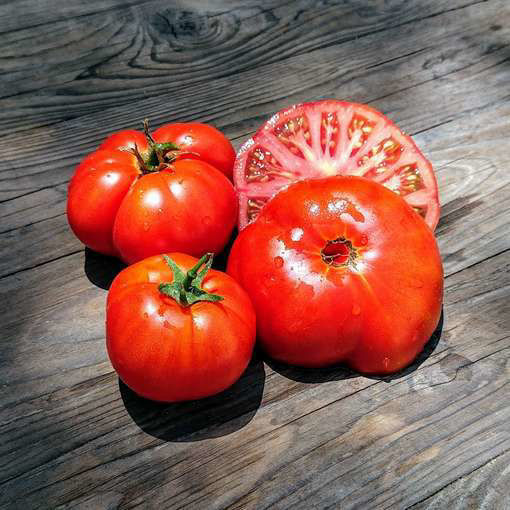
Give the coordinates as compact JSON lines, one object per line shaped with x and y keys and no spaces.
{"x":436,"y":436}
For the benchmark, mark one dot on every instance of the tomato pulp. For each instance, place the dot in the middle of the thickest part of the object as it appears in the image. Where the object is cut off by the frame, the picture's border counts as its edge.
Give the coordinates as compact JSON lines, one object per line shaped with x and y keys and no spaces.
{"x":170,"y":349}
{"x":341,"y":269}
{"x":332,"y":137}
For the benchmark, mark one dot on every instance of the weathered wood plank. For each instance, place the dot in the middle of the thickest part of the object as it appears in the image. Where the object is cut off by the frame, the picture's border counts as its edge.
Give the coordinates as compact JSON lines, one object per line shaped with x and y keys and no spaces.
{"x":107,"y":53}
{"x":335,"y":71}
{"x":55,"y":240}
{"x":329,"y":440}
{"x":472,"y":177}
{"x":280,"y":437}
{"x":485,"y":487}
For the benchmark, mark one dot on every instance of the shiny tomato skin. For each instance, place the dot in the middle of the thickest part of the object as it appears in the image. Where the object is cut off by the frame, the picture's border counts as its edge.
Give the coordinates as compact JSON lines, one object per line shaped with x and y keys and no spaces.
{"x":208,"y":143}
{"x":95,"y":193}
{"x":169,"y":353}
{"x":373,"y":308}
{"x":190,"y":207}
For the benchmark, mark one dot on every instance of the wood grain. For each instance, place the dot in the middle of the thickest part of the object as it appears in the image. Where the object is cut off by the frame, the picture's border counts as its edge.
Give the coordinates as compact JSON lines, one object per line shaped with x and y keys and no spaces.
{"x":64,"y":142}
{"x":348,"y":429}
{"x":72,"y":60}
{"x":434,"y":436}
{"x":485,"y":487}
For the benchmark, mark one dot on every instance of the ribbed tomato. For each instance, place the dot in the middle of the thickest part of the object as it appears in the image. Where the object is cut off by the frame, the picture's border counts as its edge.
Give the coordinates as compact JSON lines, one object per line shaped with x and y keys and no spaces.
{"x":178,"y":330}
{"x":137,"y":196}
{"x":340,"y":269}
{"x":332,"y":137}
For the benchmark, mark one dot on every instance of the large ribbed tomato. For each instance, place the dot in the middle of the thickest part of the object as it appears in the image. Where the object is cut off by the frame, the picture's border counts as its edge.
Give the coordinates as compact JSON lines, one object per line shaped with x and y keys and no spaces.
{"x":341,"y":269}
{"x":332,"y":137}
{"x":137,"y":196}
{"x":176,"y":330}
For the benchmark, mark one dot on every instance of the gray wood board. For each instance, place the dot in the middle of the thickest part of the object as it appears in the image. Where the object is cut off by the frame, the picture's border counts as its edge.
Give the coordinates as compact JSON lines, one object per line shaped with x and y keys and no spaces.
{"x":435,"y":436}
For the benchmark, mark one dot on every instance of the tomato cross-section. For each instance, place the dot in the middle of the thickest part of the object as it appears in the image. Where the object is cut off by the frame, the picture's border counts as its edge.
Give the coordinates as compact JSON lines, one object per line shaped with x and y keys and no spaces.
{"x":332,"y":137}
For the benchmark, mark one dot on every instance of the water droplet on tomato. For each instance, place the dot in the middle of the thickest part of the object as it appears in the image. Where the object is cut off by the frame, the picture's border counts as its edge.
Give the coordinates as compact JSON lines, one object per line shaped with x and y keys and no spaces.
{"x":364,"y":240}
{"x":161,"y":311}
{"x":167,"y":325}
{"x":386,"y":362}
{"x":146,"y":315}
{"x":146,"y":226}
{"x":206,"y":220}
{"x":296,"y":234}
{"x":356,"y":310}
{"x":278,"y":262}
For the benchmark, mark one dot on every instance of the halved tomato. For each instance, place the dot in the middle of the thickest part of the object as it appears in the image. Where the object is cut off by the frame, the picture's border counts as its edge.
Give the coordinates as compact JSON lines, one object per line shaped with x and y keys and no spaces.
{"x":332,"y":137}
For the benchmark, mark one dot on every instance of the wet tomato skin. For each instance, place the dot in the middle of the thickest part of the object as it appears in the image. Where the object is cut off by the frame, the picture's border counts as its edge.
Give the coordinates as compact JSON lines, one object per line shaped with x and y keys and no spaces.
{"x":341,"y":269}
{"x":200,"y":141}
{"x":169,"y":353}
{"x":189,"y":203}
{"x":190,"y":207}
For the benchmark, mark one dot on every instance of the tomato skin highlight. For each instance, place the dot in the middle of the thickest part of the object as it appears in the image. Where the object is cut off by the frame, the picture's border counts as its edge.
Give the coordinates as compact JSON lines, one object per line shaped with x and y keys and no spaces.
{"x":190,"y":207}
{"x":208,"y":143}
{"x":169,"y":353}
{"x":375,"y":312}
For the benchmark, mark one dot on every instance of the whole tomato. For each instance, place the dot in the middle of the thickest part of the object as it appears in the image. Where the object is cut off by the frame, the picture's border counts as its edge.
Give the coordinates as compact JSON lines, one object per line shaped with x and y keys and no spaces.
{"x":178,"y":330}
{"x":136,"y":197}
{"x":341,"y":269}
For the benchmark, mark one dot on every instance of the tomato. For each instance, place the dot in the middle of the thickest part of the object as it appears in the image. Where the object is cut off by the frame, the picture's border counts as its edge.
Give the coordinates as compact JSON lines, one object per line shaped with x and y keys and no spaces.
{"x":127,"y":200}
{"x":331,"y":137}
{"x":189,"y":207}
{"x":177,"y":332}
{"x":341,"y":269}
{"x":200,"y":141}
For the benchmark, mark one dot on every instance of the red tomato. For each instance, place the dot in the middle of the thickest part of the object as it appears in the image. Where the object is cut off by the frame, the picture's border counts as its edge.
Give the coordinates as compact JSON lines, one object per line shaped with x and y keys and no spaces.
{"x":200,"y":141}
{"x":332,"y":137}
{"x":176,"y":333}
{"x":190,"y":207}
{"x":341,"y":269}
{"x":131,"y":205}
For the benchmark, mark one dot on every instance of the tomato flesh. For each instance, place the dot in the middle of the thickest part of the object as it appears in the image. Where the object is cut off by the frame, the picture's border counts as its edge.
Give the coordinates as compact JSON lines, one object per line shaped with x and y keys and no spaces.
{"x":332,"y":137}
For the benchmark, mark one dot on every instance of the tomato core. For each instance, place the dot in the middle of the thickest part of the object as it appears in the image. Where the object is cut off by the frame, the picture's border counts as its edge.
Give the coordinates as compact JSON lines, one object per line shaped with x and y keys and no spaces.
{"x":339,"y":252}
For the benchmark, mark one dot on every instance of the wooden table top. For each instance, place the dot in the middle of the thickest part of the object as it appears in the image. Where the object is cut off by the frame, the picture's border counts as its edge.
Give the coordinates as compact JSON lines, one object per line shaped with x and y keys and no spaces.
{"x":435,"y":436}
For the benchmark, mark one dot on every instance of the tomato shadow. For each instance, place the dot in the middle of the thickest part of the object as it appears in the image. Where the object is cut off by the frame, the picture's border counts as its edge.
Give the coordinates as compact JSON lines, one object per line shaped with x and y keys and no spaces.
{"x":196,"y":420}
{"x":101,"y":269}
{"x":221,"y":259}
{"x":339,"y":372}
{"x":311,"y":375}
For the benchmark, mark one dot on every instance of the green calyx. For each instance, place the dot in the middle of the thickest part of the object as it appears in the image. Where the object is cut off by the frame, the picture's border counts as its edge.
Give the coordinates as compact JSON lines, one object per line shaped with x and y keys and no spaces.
{"x":186,"y":288}
{"x":160,"y":156}
{"x":160,"y":153}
